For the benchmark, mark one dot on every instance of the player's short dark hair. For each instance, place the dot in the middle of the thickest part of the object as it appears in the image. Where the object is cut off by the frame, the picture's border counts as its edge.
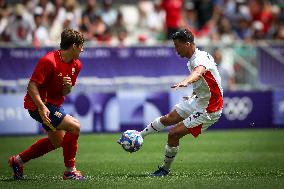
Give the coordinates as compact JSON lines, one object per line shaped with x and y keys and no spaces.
{"x":69,"y":37}
{"x":183,"y":35}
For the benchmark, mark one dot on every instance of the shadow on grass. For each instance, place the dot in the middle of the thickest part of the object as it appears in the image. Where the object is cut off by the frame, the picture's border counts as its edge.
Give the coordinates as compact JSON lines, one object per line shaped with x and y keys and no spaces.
{"x":132,"y":176}
{"x":122,"y":175}
{"x":29,"y":178}
{"x":18,"y":181}
{"x":8,"y":180}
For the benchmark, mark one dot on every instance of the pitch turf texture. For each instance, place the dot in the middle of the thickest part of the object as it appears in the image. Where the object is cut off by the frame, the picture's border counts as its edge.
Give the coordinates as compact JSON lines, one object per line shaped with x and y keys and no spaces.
{"x":216,"y":159}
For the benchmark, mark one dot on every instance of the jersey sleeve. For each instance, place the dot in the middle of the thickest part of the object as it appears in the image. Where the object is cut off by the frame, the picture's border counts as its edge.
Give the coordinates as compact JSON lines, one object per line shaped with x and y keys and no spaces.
{"x":42,"y":70}
{"x":203,"y":60}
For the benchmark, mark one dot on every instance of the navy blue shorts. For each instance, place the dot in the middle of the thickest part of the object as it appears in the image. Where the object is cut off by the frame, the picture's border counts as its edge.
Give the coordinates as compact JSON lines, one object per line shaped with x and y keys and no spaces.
{"x":56,"y":115}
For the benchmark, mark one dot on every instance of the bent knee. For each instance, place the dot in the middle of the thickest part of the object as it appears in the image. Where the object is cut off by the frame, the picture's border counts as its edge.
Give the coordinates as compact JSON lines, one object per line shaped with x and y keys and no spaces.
{"x":57,"y":144}
{"x":170,"y":119}
{"x":76,"y":127}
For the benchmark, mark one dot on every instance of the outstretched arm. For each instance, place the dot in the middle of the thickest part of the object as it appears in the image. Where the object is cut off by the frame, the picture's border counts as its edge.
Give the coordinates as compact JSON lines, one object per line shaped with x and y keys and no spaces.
{"x":193,"y":77}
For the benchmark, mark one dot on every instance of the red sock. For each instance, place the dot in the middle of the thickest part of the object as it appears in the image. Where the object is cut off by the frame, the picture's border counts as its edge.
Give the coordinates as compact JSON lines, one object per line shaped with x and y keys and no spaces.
{"x":70,"y":145}
{"x":39,"y":148}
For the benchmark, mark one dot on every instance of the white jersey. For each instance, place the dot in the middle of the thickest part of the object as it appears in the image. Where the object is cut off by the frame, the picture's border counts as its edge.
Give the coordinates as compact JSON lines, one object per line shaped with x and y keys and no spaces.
{"x":208,"y":88}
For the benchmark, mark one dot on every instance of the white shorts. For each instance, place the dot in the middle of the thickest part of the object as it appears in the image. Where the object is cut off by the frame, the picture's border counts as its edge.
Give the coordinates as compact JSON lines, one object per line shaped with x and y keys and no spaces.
{"x":195,"y":116}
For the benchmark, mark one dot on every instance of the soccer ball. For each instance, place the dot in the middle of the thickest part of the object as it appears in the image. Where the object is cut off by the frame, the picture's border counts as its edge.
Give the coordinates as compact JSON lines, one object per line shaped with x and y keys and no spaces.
{"x":131,"y":141}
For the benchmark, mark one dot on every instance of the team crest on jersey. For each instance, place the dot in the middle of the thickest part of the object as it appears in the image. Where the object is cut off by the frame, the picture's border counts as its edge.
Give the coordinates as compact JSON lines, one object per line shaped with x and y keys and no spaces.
{"x":73,"y":71}
{"x":60,"y":74}
{"x":58,"y":114}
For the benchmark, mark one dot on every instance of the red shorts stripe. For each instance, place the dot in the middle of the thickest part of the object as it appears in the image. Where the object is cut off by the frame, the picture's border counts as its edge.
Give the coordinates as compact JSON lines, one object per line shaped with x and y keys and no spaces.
{"x":195,"y":131}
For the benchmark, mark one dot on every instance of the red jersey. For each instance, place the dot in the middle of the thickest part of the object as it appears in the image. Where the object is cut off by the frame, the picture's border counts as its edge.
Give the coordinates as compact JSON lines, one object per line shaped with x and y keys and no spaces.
{"x":48,"y":74}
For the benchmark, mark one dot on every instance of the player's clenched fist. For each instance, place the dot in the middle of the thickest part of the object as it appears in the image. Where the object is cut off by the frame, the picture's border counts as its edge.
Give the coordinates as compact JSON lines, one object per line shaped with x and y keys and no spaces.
{"x":67,"y":81}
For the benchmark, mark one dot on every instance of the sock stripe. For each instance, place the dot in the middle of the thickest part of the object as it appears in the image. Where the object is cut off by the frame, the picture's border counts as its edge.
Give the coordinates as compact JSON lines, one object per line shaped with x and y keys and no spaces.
{"x":170,"y":156}
{"x":154,"y":127}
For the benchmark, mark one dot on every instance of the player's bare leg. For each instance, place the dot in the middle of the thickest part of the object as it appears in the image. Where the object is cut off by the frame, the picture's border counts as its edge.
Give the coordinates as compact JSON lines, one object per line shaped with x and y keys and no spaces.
{"x":56,"y":137}
{"x":171,"y":148}
{"x":38,"y":149}
{"x":70,"y":146}
{"x":176,"y":133}
{"x":162,"y":122}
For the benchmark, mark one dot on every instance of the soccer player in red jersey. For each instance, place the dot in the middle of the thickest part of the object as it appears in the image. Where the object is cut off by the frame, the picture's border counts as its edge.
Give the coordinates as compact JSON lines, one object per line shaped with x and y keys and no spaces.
{"x":52,"y":79}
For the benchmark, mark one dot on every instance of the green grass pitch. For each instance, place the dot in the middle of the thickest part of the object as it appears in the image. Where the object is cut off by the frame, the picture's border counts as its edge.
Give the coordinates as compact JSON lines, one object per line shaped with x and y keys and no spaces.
{"x":216,"y":159}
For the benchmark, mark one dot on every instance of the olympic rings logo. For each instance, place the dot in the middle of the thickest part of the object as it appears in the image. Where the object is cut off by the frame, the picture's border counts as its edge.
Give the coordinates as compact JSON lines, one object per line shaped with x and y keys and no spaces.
{"x":237,"y":108}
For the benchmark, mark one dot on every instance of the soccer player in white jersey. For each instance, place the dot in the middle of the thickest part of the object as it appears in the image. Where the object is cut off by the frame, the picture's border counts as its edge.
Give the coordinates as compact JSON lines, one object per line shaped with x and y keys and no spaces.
{"x":197,"y":112}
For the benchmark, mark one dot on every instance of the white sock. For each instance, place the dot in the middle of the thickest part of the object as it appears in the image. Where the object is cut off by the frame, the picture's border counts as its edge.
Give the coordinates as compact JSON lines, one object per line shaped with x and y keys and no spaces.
{"x":170,"y":153}
{"x":71,"y":169}
{"x":153,"y":127}
{"x":19,"y":159}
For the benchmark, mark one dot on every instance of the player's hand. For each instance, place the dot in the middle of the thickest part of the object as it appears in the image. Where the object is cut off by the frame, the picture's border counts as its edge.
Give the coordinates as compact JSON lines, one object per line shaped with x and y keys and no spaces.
{"x":67,"y":81}
{"x":44,"y":114}
{"x":179,"y":85}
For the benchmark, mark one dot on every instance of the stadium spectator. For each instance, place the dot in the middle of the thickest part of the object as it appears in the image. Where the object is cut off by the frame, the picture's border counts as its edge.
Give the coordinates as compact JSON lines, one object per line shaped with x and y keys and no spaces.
{"x":40,"y":33}
{"x":173,"y":10}
{"x":53,"y":78}
{"x":244,"y":31}
{"x":108,"y":13}
{"x":144,"y":34}
{"x":30,"y":6}
{"x":258,"y":30}
{"x":208,"y":15}
{"x":261,"y":14}
{"x":85,"y":27}
{"x":156,"y":22}
{"x":89,"y":11}
{"x":57,"y":26}
{"x":98,"y":29}
{"x":68,"y":22}
{"x":19,"y":30}
{"x":224,"y":29}
{"x":65,"y":15}
{"x":277,"y":22}
{"x":235,"y":11}
{"x":190,"y":18}
{"x":226,"y":70}
{"x":281,"y":14}
{"x":119,"y":31}
{"x":87,"y":18}
{"x":70,"y":6}
{"x":47,"y":7}
{"x":279,"y":34}
{"x":59,"y":12}
{"x":56,"y":19}
{"x":205,"y":10}
{"x":5,"y":12}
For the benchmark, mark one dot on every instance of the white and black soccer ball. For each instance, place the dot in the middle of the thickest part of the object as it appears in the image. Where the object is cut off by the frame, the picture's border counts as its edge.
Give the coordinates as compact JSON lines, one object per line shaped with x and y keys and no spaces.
{"x":131,"y":141}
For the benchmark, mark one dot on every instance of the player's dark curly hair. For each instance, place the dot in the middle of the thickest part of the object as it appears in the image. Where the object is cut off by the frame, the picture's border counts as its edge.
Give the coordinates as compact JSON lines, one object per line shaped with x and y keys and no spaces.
{"x":183,"y":35}
{"x":69,"y":37}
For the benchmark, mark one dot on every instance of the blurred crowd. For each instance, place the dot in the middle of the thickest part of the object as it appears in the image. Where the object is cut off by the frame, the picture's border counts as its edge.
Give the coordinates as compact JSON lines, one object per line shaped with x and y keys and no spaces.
{"x":39,"y":23}
{"x":107,"y":22}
